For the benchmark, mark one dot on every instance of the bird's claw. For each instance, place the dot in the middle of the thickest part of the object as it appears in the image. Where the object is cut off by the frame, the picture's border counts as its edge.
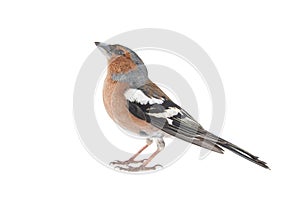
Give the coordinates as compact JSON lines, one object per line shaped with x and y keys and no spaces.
{"x":138,"y":169}
{"x":127,"y":162}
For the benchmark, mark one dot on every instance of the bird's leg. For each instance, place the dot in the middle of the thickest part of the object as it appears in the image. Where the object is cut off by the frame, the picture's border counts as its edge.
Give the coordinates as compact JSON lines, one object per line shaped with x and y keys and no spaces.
{"x":132,"y":159}
{"x":160,"y":146}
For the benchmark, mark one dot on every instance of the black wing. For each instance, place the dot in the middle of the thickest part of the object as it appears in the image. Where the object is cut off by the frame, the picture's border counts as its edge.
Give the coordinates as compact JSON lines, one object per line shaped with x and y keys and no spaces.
{"x":180,"y":125}
{"x":175,"y":121}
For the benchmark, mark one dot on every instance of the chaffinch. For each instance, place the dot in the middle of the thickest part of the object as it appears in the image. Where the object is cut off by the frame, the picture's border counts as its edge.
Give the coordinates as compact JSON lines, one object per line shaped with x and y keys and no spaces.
{"x":138,"y":105}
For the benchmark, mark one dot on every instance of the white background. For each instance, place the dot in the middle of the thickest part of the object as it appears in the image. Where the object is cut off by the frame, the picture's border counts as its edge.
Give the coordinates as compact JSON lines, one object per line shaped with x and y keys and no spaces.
{"x":255,"y":46}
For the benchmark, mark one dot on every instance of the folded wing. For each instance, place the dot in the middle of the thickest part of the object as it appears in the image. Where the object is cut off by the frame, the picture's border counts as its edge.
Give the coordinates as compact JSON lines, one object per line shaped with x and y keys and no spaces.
{"x":151,"y":104}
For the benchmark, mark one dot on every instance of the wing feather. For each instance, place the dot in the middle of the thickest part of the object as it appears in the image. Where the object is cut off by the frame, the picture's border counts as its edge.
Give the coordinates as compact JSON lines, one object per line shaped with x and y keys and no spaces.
{"x":164,"y":114}
{"x":170,"y":118}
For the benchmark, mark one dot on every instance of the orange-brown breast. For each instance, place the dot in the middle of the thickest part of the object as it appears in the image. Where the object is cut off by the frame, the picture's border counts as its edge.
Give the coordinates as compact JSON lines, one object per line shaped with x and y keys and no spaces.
{"x":116,"y":107}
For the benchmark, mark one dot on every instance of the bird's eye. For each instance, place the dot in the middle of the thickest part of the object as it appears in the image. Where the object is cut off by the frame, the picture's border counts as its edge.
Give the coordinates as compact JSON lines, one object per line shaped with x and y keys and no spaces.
{"x":119,"y":52}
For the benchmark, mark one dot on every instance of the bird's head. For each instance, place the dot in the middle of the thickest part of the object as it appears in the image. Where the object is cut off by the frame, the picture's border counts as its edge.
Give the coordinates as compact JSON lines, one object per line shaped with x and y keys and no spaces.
{"x":124,"y":64}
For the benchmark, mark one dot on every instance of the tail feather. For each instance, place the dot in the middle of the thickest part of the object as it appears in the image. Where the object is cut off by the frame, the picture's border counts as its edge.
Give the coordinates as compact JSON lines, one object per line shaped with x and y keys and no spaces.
{"x":231,"y":147}
{"x":241,"y":152}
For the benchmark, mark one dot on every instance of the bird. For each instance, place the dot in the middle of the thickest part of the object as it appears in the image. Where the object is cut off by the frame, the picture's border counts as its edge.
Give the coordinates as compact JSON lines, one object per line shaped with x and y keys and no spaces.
{"x":139,"y":106}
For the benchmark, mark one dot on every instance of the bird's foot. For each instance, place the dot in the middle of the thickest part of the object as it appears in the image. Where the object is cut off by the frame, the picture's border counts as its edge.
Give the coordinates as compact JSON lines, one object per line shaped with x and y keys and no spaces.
{"x":127,"y":162}
{"x":139,"y":168}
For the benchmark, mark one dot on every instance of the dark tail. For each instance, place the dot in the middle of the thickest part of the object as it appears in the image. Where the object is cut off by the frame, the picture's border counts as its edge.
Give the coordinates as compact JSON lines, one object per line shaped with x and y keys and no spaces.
{"x":241,"y":152}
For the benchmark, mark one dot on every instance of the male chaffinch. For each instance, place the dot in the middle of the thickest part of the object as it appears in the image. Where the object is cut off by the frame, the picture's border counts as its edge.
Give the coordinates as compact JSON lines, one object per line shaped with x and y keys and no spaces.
{"x":138,"y":105}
